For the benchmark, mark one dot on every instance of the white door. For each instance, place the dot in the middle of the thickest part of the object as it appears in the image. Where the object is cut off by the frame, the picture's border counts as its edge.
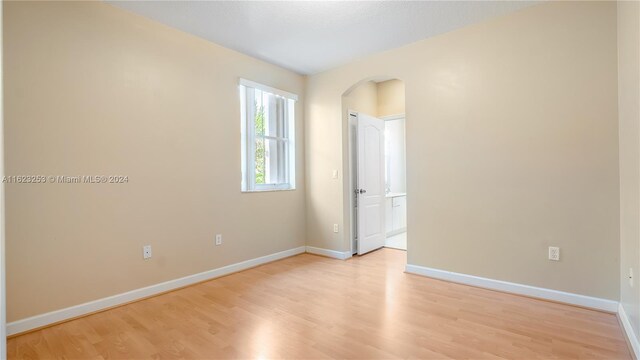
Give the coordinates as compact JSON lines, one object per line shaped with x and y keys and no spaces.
{"x":370,"y":191}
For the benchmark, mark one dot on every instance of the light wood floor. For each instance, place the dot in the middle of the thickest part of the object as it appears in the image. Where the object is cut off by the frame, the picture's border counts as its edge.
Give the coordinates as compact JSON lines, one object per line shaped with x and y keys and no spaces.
{"x":313,"y":307}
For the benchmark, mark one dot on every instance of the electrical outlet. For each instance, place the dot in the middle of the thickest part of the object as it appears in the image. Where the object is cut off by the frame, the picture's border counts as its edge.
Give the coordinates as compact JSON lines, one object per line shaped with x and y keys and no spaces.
{"x":146,"y":252}
{"x":631,"y":277}
{"x":218,"y":239}
{"x":335,"y":228}
{"x":554,"y":253}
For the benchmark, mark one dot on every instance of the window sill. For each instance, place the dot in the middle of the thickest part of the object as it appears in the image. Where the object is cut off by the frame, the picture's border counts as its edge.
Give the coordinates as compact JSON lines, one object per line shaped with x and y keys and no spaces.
{"x":265,"y":190}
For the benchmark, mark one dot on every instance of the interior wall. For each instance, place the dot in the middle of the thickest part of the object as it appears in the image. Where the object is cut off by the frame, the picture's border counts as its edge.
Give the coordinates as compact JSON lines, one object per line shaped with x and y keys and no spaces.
{"x":629,"y":118}
{"x":94,"y":90}
{"x":390,"y":98}
{"x":363,"y":98}
{"x":512,"y":132}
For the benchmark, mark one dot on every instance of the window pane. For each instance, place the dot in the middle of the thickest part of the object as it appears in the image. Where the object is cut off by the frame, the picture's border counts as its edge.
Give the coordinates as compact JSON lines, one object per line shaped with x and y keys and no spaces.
{"x":259,"y":123}
{"x":260,"y":161}
{"x":271,"y":160}
{"x":260,"y":112}
{"x":267,"y":141}
{"x":271,"y":124}
{"x":270,"y":119}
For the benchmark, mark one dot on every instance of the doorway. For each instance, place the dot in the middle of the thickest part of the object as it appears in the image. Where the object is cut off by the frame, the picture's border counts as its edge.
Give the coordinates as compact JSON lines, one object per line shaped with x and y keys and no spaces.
{"x":396,"y":184}
{"x":375,"y":179}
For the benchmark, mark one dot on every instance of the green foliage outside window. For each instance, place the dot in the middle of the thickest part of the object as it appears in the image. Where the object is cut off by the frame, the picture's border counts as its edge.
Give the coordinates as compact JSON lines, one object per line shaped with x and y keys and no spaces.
{"x":260,"y":146}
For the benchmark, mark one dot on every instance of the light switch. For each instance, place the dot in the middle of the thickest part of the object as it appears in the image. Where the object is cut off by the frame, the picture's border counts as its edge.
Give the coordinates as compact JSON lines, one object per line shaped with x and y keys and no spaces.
{"x":335,"y":174}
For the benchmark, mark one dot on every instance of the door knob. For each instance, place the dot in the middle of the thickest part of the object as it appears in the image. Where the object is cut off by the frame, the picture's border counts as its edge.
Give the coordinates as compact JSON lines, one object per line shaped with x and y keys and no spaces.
{"x":362,"y":191}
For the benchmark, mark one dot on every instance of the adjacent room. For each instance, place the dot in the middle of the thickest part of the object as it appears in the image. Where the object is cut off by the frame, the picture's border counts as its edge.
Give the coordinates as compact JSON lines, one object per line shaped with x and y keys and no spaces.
{"x":320,"y":179}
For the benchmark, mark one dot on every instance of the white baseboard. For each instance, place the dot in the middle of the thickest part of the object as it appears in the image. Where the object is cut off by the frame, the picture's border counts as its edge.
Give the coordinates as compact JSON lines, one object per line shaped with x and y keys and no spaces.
{"x":520,"y":289}
{"x":56,"y":316}
{"x":342,"y":255}
{"x":628,"y":331}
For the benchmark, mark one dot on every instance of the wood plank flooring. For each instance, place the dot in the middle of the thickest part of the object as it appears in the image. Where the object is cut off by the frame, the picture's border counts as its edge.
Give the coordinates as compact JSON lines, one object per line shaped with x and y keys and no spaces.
{"x":308,"y":307}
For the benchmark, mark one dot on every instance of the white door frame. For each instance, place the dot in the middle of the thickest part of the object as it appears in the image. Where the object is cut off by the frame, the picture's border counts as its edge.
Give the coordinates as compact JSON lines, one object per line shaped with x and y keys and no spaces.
{"x":351,"y":179}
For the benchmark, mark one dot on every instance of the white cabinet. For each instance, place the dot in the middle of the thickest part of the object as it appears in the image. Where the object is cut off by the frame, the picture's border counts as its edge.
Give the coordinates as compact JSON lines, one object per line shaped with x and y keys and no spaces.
{"x":396,"y":214}
{"x":399,"y":212}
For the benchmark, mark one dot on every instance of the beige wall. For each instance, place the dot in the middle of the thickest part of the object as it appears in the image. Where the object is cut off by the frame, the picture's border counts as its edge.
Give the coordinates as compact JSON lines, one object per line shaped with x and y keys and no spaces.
{"x":379,"y":99}
{"x":390,"y":97}
{"x":512,"y":146}
{"x":363,"y":98}
{"x":92,"y":89}
{"x":629,"y":118}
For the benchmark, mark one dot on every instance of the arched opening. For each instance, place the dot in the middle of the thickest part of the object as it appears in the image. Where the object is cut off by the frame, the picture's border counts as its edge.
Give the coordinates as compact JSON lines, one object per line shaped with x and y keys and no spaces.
{"x":374,"y":154}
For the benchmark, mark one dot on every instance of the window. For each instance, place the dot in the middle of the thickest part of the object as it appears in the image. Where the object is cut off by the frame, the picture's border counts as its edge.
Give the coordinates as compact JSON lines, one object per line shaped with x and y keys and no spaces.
{"x":268,"y":141}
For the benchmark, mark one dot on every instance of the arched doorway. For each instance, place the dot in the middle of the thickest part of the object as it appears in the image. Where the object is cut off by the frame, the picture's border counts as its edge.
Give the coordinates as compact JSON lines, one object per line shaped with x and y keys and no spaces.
{"x":375,"y":101}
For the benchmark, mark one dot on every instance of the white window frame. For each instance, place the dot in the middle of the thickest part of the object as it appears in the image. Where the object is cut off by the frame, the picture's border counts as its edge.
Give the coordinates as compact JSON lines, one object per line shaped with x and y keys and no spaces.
{"x":286,"y":137}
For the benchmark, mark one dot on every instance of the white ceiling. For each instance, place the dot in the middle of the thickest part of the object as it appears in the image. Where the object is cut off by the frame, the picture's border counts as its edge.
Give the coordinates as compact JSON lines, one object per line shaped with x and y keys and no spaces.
{"x":312,"y":36}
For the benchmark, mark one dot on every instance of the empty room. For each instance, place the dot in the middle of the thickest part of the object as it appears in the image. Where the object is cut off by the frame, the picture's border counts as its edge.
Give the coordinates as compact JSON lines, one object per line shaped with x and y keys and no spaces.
{"x":320,"y":179}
